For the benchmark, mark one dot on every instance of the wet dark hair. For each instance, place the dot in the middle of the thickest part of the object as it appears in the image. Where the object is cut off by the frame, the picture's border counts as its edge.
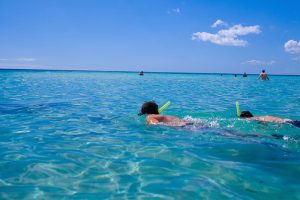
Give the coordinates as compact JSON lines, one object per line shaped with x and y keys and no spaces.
{"x":263,"y":71}
{"x":246,"y":114}
{"x":149,"y":107}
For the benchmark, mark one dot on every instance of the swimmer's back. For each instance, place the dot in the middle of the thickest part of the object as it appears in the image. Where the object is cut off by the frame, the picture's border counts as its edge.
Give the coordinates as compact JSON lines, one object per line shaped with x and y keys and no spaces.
{"x":165,"y":120}
{"x":270,"y":119}
{"x":264,"y":76}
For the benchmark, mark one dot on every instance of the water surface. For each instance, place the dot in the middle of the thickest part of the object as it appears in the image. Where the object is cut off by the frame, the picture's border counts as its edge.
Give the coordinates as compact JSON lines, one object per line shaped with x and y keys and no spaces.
{"x":76,"y":135}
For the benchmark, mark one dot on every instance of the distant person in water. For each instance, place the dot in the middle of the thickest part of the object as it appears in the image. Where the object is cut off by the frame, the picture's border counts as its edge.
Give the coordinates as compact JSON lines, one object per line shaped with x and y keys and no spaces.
{"x":245,"y":74}
{"x":263,"y":75}
{"x":235,"y":75}
{"x":248,"y":115}
{"x":141,"y":73}
{"x":151,"y":109}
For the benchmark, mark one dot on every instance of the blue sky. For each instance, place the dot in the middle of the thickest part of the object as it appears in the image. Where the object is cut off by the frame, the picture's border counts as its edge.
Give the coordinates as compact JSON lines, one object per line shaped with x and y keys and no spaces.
{"x":226,"y":36}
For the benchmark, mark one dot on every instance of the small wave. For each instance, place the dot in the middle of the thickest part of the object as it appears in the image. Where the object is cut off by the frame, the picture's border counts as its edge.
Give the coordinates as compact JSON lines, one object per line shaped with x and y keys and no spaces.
{"x":201,"y":122}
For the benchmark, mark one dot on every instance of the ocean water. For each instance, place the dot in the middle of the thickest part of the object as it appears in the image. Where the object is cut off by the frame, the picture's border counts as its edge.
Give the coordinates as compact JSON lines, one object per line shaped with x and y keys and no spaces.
{"x":77,"y":135}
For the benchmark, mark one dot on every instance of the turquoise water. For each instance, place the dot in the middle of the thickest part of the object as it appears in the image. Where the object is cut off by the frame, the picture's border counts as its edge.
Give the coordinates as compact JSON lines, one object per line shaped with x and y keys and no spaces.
{"x":76,"y":135}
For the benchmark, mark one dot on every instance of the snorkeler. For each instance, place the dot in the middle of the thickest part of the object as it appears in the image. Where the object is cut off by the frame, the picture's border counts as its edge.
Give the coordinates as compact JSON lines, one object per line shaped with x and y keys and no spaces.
{"x":248,"y":115}
{"x":151,"y":109}
{"x":263,"y":75}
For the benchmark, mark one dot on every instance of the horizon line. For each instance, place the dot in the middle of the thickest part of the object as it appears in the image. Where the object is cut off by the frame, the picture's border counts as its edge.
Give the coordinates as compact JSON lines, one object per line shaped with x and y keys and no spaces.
{"x":130,"y":71}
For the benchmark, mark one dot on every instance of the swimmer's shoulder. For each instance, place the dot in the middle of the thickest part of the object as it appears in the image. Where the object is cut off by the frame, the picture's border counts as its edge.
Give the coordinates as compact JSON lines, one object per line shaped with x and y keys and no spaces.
{"x":152,"y":119}
{"x":155,"y":118}
{"x":254,"y":118}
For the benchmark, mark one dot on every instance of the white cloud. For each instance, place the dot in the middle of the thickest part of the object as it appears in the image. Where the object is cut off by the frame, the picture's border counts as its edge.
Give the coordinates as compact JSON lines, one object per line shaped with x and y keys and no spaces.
{"x":228,"y":37}
{"x":25,"y":59}
{"x":259,"y":62}
{"x":292,"y":46}
{"x":174,"y":10}
{"x":218,"y":23}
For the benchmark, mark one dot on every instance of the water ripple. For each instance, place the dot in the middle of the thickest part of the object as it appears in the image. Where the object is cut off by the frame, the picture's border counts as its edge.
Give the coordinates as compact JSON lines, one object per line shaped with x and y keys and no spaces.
{"x":76,"y":135}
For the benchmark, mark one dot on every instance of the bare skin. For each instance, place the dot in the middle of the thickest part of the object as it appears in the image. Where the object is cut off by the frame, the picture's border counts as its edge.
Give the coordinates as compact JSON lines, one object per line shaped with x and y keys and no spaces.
{"x":263,"y":76}
{"x":156,"y":119}
{"x":269,"y":119}
{"x":164,"y":120}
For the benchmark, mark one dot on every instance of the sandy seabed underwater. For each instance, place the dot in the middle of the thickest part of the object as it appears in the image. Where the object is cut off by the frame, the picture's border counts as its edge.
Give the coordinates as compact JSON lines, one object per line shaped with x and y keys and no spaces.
{"x":77,"y":135}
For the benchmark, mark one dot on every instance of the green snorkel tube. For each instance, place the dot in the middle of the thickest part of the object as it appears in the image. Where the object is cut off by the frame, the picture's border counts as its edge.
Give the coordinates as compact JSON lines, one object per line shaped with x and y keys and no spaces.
{"x":238,"y":111}
{"x":164,"y":106}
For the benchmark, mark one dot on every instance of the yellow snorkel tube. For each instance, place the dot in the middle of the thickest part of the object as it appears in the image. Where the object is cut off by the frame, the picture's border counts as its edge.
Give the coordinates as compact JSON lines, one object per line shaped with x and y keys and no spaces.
{"x":238,"y":111}
{"x":164,"y":106}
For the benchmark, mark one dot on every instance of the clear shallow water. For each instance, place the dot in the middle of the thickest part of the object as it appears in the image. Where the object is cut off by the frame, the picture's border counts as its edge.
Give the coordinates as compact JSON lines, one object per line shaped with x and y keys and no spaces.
{"x":77,"y":135}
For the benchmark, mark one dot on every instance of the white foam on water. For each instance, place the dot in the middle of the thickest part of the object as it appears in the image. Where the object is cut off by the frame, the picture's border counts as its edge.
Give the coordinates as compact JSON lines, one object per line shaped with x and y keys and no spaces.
{"x":201,"y":122}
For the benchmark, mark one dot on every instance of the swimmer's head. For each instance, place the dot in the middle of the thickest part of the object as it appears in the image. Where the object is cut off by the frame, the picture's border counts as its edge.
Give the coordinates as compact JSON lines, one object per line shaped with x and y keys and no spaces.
{"x":246,"y":114}
{"x":149,"y":107}
{"x":263,"y":71}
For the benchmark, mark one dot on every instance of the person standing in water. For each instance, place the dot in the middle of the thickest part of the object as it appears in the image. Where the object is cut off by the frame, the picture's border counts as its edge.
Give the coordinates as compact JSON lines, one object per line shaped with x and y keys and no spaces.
{"x":245,"y":74}
{"x":263,"y":75}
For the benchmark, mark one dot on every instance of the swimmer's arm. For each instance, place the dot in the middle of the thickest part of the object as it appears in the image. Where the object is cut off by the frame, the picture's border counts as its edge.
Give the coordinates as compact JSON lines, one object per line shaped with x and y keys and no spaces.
{"x":259,"y":77}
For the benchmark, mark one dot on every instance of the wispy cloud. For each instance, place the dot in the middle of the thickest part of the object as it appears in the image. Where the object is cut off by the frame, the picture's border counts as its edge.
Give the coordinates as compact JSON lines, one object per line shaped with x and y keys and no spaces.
{"x":228,"y":37}
{"x":218,"y":23}
{"x":174,"y":10}
{"x":23,"y":59}
{"x":292,"y":46}
{"x":258,"y":62}
{"x":24,"y":66}
{"x":296,"y":58}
